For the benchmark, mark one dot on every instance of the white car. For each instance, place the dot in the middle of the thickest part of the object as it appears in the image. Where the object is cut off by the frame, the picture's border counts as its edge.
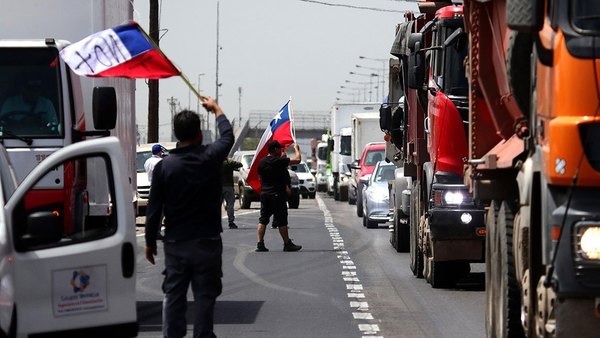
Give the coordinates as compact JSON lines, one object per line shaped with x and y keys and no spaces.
{"x":306,"y":180}
{"x":143,"y":152}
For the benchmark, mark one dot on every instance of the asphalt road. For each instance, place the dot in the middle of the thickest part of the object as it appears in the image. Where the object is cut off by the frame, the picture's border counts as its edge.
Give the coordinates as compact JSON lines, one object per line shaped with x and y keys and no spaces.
{"x":347,"y":281}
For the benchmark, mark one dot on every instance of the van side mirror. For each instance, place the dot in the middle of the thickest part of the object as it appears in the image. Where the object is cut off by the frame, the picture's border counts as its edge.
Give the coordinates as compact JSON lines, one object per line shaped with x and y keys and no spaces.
{"x":525,"y":15}
{"x":43,"y":227}
{"x":104,"y":108}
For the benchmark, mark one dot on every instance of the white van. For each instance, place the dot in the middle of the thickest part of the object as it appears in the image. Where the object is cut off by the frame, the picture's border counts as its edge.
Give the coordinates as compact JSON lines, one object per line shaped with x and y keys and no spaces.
{"x":66,"y":272}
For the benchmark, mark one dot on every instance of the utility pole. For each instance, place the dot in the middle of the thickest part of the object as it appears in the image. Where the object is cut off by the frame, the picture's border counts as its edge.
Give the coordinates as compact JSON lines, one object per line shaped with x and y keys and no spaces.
{"x":217,"y":69}
{"x":240,"y":105}
{"x":153,"y":84}
{"x":173,"y":102}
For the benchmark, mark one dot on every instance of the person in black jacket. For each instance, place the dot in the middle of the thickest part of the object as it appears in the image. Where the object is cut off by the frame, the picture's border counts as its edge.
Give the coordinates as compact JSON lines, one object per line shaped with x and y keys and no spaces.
{"x":186,"y":186}
{"x":274,"y":178}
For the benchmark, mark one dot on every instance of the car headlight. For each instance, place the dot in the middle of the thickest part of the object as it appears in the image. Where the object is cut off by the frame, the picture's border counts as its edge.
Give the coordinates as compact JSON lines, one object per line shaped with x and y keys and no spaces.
{"x":377,"y":196}
{"x":588,"y":241}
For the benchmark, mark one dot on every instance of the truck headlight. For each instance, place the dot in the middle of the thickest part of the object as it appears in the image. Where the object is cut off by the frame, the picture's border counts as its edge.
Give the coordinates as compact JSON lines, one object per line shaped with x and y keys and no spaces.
{"x":453,"y":197}
{"x":589,"y":242}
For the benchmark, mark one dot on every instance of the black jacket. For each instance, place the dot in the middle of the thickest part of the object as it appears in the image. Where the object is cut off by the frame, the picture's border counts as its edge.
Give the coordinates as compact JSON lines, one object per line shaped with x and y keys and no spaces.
{"x":186,"y":186}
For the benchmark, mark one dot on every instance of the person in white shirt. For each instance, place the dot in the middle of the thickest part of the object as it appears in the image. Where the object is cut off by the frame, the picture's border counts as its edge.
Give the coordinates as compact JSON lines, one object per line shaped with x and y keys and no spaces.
{"x":157,"y":155}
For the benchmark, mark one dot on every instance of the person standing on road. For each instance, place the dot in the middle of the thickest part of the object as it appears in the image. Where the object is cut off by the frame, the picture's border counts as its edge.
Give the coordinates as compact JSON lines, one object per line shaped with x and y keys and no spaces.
{"x":274,"y":178}
{"x":228,"y":195}
{"x":186,"y":185}
{"x":157,"y":155}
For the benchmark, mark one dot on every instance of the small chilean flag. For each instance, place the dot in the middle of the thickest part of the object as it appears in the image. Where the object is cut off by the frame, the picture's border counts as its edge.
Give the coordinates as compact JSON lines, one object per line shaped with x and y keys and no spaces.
{"x":122,"y":51}
{"x":279,"y":129}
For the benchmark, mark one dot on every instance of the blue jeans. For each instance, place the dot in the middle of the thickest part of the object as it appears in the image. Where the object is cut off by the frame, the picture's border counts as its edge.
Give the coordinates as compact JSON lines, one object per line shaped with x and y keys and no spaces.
{"x":195,"y":261}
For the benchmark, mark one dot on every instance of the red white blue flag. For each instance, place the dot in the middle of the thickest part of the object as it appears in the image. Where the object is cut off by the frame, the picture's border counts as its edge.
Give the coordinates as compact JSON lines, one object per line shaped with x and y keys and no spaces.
{"x":122,"y":51}
{"x":279,"y":129}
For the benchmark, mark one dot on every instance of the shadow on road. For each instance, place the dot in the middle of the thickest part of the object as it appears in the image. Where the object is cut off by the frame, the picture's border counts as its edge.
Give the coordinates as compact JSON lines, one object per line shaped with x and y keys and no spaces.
{"x":226,"y":312}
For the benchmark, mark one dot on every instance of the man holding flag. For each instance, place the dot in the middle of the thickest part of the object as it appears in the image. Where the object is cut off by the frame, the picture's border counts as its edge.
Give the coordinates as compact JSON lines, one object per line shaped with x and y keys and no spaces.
{"x":269,"y":177}
{"x":275,"y":178}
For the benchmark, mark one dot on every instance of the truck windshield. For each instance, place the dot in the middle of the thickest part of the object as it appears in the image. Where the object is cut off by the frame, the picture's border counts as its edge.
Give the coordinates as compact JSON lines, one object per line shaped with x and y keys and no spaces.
{"x":586,"y":15}
{"x":322,"y":153}
{"x":455,"y":82}
{"x":346,"y":145}
{"x":29,"y":93}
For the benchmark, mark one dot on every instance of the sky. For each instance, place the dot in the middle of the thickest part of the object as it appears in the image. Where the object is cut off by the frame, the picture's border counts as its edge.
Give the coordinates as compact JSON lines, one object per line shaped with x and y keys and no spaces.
{"x":272,"y":49}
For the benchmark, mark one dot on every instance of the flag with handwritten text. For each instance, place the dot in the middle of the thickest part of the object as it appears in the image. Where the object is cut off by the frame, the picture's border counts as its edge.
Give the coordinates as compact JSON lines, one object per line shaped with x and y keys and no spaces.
{"x":279,"y":129}
{"x":122,"y":51}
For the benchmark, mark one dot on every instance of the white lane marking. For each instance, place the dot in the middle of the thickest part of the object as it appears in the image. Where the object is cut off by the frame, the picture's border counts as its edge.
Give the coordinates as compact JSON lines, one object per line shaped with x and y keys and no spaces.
{"x":368,"y":328}
{"x":362,"y":315}
{"x":350,"y":277}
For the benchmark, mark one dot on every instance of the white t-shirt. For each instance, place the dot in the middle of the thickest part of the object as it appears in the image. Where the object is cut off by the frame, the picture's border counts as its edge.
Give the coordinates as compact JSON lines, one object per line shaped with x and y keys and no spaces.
{"x":150,"y":164}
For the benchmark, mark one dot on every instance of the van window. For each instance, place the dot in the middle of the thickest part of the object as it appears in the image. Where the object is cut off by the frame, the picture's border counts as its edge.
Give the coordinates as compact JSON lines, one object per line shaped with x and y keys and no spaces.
{"x":80,"y":208}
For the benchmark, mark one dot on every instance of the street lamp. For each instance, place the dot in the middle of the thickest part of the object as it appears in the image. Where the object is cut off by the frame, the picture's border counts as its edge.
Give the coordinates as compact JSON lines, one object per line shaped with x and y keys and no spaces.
{"x":382,"y":77}
{"x":358,"y":90}
{"x":370,"y":82}
{"x":198,"y":101}
{"x":384,"y":63}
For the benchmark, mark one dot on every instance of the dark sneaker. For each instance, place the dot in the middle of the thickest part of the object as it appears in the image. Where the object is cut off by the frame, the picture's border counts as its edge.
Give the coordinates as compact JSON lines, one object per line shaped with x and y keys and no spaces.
{"x":260,"y":247}
{"x":289,"y":246}
{"x":232,"y":226}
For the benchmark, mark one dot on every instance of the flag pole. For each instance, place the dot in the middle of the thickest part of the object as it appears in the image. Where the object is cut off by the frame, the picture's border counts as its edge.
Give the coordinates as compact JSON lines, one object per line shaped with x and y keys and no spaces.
{"x":183,"y":77}
{"x":292,"y":120}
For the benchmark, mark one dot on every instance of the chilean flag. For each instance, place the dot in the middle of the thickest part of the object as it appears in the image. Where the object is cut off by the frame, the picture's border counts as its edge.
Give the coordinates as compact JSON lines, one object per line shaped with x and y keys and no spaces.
{"x":279,"y":129}
{"x":122,"y":51}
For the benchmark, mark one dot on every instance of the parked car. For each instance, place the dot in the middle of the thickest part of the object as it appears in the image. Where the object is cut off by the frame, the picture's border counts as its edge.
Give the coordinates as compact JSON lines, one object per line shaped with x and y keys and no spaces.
{"x":372,"y":153}
{"x":143,"y":152}
{"x":375,"y":194}
{"x":306,"y":180}
{"x":244,"y":191}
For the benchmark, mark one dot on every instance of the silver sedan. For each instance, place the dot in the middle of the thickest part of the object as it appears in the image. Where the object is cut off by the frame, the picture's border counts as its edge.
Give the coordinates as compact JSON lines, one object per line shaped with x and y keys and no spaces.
{"x":376,"y":206}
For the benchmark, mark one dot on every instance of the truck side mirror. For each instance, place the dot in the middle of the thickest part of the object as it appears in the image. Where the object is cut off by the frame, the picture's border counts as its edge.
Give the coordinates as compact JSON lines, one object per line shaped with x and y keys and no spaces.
{"x":416,"y":62}
{"x":525,"y":15}
{"x":104,"y":108}
{"x":385,"y":117}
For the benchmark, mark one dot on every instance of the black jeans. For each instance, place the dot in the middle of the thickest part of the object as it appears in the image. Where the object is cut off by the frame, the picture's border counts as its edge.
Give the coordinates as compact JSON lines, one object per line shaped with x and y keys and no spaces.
{"x":199,"y":262}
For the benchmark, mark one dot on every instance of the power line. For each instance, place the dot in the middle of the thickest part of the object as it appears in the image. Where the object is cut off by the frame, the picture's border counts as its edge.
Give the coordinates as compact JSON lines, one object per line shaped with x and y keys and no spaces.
{"x":353,"y":7}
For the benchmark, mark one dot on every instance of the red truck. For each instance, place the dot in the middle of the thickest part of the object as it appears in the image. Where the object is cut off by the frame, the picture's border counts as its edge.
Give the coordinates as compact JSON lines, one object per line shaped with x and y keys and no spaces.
{"x":435,"y":217}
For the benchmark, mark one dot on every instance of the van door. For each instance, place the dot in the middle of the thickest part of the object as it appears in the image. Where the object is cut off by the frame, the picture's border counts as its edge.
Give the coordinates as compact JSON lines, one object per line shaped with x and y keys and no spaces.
{"x":68,"y":272}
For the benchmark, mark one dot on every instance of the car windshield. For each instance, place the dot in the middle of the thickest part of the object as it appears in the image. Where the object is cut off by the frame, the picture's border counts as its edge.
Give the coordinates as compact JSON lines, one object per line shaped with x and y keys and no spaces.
{"x":374,"y":156}
{"x":140,"y":159}
{"x":300,"y":168}
{"x":385,"y":173}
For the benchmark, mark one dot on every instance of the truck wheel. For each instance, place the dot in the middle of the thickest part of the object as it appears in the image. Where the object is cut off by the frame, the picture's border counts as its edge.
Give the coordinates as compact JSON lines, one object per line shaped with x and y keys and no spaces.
{"x":503,"y":308}
{"x":359,"y":201}
{"x":244,"y":200}
{"x":402,"y":229}
{"x":351,"y":197}
{"x":364,"y":221}
{"x":343,"y":194}
{"x":416,"y":255}
{"x":312,"y":195}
